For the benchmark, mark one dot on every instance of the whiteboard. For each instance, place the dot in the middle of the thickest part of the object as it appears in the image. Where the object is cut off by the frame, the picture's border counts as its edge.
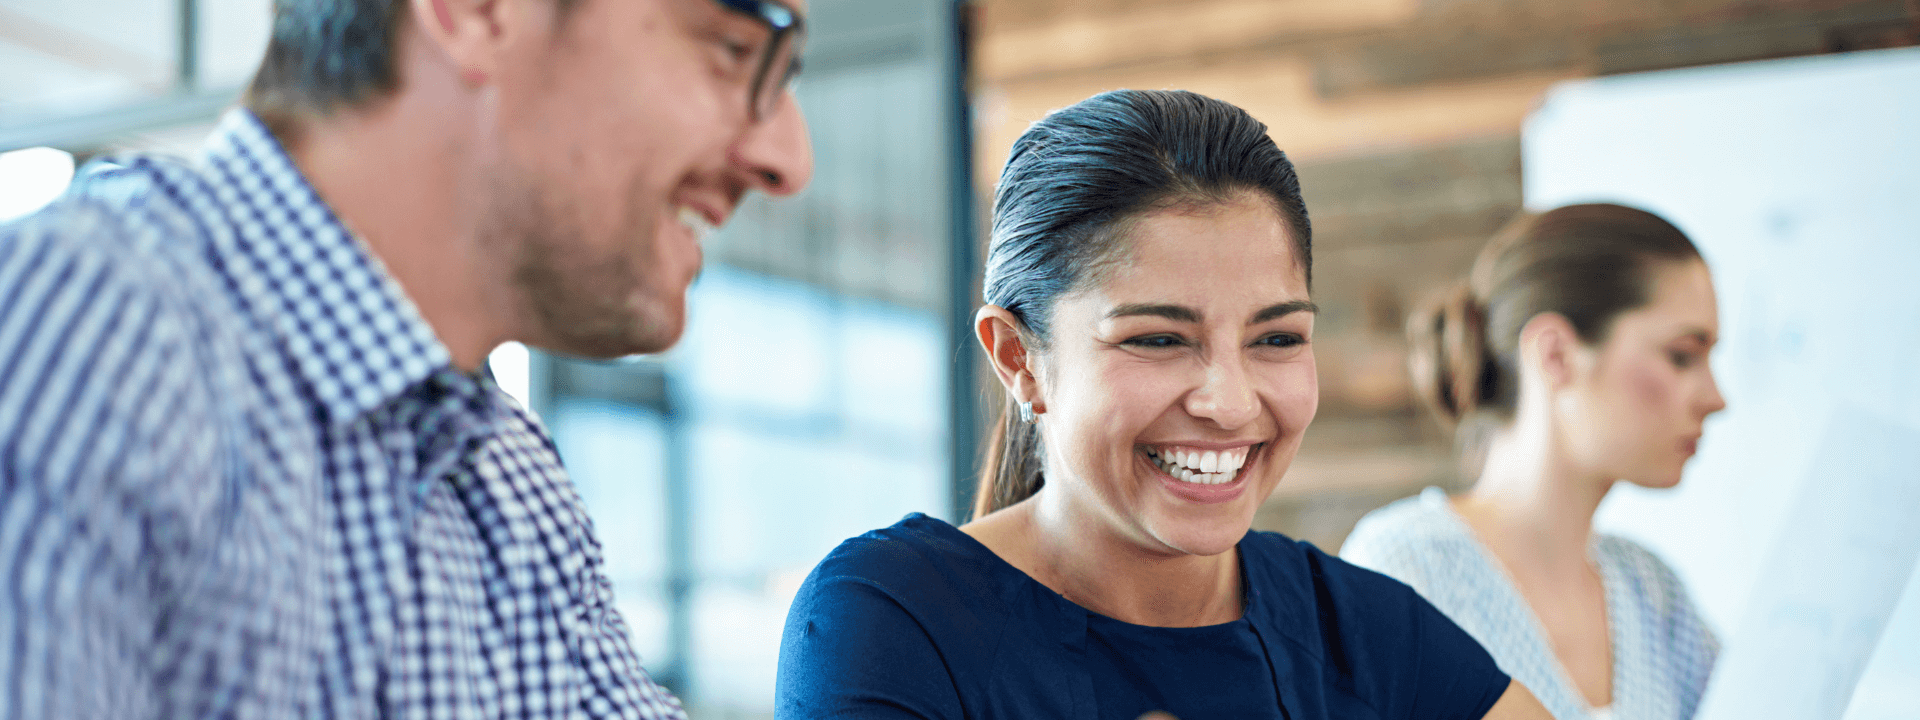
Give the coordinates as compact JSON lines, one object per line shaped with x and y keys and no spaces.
{"x":1800,"y":181}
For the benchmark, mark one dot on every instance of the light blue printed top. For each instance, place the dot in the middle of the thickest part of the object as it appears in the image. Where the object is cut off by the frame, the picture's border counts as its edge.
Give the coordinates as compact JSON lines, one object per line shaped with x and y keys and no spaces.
{"x":1662,"y":650}
{"x":239,"y":477}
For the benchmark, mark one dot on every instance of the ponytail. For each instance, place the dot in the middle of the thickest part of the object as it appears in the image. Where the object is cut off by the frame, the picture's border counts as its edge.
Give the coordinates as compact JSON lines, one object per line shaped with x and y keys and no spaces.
{"x":1453,"y":373}
{"x":1011,"y":470}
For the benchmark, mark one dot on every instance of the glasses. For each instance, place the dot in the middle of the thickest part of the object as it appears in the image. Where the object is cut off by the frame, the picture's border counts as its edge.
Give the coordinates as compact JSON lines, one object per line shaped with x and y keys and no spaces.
{"x":779,"y":61}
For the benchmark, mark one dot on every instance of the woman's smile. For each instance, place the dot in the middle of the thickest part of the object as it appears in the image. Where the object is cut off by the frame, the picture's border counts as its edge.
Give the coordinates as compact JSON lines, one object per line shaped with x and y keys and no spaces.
{"x":1200,"y":474}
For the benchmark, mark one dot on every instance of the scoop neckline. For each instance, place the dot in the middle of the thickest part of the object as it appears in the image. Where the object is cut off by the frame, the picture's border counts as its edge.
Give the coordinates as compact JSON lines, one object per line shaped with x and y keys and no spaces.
{"x":1249,"y":597}
{"x":1444,"y":503}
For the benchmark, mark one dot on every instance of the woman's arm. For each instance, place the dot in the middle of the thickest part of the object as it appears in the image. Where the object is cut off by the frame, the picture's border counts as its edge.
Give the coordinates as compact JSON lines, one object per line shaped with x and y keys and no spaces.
{"x":1517,"y":703}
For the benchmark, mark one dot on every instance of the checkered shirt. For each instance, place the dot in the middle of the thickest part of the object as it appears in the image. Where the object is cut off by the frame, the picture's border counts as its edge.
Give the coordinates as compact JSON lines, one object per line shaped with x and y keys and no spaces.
{"x":240,"y":479}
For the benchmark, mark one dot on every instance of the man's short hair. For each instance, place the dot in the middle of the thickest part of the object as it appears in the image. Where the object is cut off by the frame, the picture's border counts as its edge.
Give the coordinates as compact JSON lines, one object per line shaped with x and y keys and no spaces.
{"x":328,"y":55}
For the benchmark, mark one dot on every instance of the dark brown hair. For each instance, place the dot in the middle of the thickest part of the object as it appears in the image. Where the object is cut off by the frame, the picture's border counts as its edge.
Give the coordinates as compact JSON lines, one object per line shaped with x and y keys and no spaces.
{"x":1587,"y":263}
{"x":1072,"y":184}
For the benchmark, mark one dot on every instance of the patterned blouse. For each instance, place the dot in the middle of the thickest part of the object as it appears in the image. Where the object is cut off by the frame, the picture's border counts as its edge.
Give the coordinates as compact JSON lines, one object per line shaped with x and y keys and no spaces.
{"x":1662,"y":650}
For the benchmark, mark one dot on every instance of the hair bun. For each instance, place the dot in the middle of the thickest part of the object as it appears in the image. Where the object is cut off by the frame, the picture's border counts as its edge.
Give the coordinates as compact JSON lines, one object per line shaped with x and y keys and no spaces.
{"x":1447,"y":353}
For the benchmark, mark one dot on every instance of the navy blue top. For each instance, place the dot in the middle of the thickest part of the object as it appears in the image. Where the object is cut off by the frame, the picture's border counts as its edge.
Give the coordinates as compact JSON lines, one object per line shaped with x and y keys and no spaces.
{"x":919,"y":620}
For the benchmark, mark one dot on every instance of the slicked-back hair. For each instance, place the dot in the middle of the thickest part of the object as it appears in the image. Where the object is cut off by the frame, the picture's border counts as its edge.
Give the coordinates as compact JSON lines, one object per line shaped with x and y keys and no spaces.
{"x":1073,"y":183}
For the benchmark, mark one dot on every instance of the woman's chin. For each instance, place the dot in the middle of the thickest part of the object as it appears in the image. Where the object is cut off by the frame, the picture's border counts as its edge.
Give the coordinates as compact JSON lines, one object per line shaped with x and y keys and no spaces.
{"x":1202,"y":538}
{"x":1663,"y":480}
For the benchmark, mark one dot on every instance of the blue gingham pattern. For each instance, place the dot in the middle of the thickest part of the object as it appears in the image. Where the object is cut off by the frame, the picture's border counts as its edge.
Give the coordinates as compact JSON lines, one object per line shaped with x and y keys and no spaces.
{"x":1662,"y":649}
{"x":239,"y":477}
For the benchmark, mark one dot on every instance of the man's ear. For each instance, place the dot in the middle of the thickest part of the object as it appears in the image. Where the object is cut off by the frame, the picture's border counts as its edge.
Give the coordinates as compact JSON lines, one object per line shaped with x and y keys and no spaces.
{"x":470,"y":34}
{"x":1001,"y":335}
{"x":1550,"y":343}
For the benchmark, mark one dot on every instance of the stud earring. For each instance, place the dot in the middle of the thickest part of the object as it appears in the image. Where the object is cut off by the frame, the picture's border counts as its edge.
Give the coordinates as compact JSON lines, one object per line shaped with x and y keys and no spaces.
{"x":1026,"y":412}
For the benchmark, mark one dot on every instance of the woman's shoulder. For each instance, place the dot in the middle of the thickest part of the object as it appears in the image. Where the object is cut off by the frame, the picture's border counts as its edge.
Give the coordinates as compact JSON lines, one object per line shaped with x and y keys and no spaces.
{"x":1387,"y":643}
{"x":1652,"y":579}
{"x":1407,"y":533}
{"x":1639,"y":559}
{"x":914,"y":553}
{"x":887,"y":614}
{"x":1679,"y":644}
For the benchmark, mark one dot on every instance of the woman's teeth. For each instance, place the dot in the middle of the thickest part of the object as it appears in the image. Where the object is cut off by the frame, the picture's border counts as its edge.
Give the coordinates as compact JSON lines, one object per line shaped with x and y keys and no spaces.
{"x":696,"y":223}
{"x":1203,"y":467}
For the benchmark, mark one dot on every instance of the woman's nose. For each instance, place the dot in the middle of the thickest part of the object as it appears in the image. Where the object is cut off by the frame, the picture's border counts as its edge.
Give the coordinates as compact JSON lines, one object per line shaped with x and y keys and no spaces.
{"x":1713,"y":402}
{"x":1226,"y":396}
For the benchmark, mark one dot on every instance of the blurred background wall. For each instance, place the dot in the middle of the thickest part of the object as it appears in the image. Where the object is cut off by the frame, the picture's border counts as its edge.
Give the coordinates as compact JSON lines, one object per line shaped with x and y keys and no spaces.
{"x":826,"y":385}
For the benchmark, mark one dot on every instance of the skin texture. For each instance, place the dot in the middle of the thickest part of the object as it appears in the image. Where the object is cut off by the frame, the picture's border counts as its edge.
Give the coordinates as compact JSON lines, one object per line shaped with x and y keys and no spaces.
{"x":1630,"y":409}
{"x":524,"y":181}
{"x":1105,"y":531}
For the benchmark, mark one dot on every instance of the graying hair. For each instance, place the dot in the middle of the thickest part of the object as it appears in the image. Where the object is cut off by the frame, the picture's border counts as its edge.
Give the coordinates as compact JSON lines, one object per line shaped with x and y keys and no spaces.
{"x":328,"y":55}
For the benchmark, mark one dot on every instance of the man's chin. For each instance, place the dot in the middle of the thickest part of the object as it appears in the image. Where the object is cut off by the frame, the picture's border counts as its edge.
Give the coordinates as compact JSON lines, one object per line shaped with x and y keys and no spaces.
{"x":609,"y":340}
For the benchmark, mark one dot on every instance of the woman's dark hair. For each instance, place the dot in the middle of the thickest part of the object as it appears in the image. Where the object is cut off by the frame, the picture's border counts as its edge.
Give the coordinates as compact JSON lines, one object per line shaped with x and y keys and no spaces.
{"x":1073,"y":183}
{"x":1587,"y":263}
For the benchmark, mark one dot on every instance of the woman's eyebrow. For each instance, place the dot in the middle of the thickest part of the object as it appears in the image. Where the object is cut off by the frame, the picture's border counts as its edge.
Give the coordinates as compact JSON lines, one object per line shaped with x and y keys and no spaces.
{"x":1697,"y":334}
{"x":1181,"y":313}
{"x":1282,"y":310}
{"x":1177,"y":313}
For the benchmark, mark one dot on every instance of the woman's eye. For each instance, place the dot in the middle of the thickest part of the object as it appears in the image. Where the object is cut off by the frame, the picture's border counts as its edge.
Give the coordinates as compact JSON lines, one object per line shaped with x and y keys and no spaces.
{"x":1154,"y":341}
{"x":1281,"y":340}
{"x":1680,"y":359}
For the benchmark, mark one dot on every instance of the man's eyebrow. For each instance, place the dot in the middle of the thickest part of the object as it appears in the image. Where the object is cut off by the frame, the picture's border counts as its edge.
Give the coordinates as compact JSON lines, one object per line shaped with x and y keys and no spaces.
{"x":1282,"y":310}
{"x":1178,"y":313}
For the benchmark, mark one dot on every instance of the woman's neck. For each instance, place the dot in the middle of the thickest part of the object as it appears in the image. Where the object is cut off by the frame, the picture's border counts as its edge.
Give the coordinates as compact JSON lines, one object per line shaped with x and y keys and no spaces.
{"x":1531,"y":504}
{"x":1081,"y":557}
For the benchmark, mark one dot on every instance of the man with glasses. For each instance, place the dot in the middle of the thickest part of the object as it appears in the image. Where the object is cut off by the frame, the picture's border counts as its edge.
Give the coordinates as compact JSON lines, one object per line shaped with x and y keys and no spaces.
{"x":250,"y":465}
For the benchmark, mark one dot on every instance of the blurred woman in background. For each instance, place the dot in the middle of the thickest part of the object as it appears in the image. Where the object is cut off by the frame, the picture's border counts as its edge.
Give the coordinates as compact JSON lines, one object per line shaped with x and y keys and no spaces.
{"x":1574,"y":356}
{"x":1149,"y":316}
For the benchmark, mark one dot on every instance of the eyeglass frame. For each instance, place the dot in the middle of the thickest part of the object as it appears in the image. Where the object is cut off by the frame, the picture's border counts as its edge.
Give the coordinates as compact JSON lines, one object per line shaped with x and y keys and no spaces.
{"x":787,"y":27}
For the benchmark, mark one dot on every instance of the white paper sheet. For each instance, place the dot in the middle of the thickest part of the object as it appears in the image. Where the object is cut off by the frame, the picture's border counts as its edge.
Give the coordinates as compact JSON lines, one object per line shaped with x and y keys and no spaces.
{"x":1830,"y":581}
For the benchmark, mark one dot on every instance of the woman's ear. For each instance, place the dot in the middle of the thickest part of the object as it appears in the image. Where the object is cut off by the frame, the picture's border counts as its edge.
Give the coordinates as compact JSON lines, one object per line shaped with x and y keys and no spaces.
{"x":1549,"y":344}
{"x":1002,"y":336}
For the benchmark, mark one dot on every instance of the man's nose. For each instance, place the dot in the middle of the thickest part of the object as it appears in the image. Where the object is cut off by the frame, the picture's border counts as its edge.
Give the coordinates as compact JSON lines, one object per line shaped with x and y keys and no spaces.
{"x":775,"y":153}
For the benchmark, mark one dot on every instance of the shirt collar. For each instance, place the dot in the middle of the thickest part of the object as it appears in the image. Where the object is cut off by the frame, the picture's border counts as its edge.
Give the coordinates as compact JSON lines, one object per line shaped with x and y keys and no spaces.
{"x":353,"y":335}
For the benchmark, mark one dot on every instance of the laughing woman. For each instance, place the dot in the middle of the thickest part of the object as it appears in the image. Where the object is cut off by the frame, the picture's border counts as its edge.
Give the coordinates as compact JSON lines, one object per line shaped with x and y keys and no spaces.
{"x":1148,"y":313}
